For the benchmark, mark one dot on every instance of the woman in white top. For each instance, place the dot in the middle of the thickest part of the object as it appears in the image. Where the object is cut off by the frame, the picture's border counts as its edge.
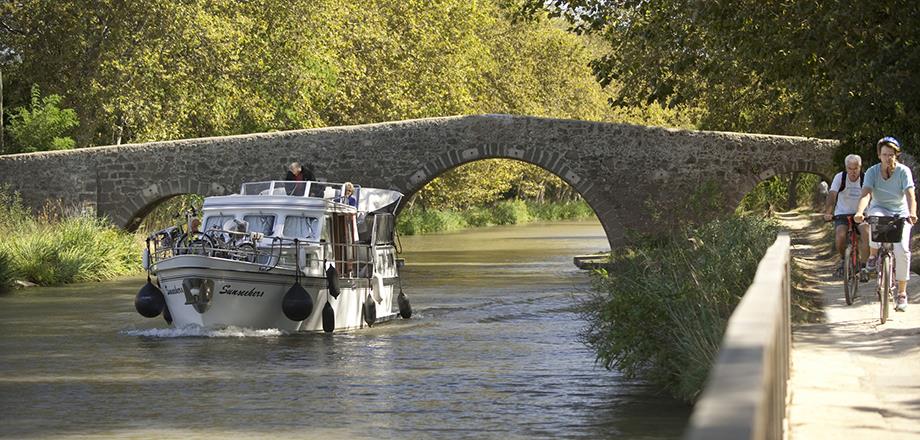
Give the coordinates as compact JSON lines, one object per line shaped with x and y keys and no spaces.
{"x":842,"y":200}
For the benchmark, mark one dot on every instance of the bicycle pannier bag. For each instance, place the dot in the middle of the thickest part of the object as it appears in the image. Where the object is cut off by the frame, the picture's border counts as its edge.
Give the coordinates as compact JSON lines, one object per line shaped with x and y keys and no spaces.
{"x":888,"y":230}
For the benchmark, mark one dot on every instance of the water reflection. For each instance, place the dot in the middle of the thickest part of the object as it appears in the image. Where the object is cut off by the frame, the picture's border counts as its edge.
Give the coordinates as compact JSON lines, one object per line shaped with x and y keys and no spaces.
{"x":491,"y":352}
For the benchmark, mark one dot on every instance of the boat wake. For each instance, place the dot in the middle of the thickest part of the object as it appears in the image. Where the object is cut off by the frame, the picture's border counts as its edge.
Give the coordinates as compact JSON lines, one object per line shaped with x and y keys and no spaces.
{"x":202,"y":332}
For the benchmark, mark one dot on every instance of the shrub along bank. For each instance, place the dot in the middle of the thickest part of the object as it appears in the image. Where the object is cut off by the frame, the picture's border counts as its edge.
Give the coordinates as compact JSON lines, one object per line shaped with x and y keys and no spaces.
{"x":58,"y":249}
{"x":661,"y":311}
{"x":414,"y":220}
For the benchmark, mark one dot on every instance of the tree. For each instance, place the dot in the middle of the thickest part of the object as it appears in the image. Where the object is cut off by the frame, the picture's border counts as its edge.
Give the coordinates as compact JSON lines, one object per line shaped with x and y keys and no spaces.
{"x":42,"y":126}
{"x":838,"y":69}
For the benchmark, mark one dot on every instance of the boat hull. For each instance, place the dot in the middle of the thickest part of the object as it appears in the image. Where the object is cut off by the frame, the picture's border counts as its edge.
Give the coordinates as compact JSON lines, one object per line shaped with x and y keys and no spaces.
{"x":214,"y":292}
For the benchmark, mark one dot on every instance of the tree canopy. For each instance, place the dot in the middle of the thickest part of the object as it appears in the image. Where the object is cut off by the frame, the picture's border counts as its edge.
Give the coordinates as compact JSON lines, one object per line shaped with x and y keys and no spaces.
{"x":166,"y":70}
{"x":835,"y":68}
{"x":161,"y":70}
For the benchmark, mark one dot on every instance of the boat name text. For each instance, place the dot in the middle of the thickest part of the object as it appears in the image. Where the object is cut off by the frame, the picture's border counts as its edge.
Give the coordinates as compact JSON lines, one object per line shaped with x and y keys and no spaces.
{"x":226,"y":290}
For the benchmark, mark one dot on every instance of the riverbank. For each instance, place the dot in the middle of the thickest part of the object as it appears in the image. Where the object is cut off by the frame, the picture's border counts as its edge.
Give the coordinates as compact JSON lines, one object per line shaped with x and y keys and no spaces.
{"x":659,"y":310}
{"x":415,"y":220}
{"x":57,"y":247}
{"x":851,"y":377}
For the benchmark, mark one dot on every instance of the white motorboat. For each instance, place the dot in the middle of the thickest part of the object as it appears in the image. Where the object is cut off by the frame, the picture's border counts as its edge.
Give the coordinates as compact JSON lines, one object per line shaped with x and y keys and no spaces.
{"x":294,"y":256}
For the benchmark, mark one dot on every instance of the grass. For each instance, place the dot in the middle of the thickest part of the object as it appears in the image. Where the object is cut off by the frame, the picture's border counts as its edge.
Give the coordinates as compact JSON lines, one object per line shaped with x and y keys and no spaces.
{"x":414,"y":220}
{"x":6,"y":273}
{"x":660,"y":312}
{"x":57,"y":247}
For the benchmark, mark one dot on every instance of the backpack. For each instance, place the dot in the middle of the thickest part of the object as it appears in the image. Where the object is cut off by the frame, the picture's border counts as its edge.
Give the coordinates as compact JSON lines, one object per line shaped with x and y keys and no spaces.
{"x":843,"y":181}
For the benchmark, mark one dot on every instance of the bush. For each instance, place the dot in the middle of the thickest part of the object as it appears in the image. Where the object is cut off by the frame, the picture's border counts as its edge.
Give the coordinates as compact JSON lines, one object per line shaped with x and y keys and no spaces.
{"x":577,"y":210}
{"x":52,"y":250}
{"x":645,"y":318}
{"x":772,"y":194}
{"x":510,"y":212}
{"x":42,"y":126}
{"x":6,"y":273}
{"x":412,"y":222}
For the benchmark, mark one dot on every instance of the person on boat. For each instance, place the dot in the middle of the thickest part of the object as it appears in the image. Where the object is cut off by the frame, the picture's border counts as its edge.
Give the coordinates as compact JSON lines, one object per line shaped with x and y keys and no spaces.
{"x":891,"y":187}
{"x":348,"y":195}
{"x":297,"y":173}
{"x":195,"y":225}
{"x":842,"y":199}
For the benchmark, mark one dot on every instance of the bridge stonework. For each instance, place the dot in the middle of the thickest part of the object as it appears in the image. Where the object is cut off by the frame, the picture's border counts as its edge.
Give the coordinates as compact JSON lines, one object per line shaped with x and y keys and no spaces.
{"x":630,"y":175}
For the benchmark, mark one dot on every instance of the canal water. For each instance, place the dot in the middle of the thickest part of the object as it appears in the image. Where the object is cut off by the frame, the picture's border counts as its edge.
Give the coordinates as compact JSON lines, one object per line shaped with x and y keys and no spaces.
{"x":492,"y":351}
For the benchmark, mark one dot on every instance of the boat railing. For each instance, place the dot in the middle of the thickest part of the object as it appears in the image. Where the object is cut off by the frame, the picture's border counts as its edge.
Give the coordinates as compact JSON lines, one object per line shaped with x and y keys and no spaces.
{"x":297,"y":188}
{"x":350,"y":260}
{"x":220,"y":243}
{"x":310,"y":257}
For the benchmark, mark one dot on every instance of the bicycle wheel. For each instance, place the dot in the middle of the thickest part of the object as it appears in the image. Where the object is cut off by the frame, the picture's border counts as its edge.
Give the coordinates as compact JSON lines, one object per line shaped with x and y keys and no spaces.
{"x":885,"y":289}
{"x":850,"y":276}
{"x":246,"y":252}
{"x":196,"y":244}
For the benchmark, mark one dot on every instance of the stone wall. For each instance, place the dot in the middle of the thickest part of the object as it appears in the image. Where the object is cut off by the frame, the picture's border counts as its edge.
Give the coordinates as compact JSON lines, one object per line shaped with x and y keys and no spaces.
{"x":634,"y":177}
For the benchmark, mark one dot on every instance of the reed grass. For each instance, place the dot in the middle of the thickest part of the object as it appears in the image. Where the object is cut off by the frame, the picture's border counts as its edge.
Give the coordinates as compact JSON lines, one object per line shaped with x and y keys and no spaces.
{"x":660,"y":312}
{"x":6,"y":273}
{"x":57,"y":247}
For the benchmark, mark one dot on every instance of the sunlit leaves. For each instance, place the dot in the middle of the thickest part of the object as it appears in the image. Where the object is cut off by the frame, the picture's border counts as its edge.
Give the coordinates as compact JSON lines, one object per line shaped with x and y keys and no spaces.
{"x":44,"y":125}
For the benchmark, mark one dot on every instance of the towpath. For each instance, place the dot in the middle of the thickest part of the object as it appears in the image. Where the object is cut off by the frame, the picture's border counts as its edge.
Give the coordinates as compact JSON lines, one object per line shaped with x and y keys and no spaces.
{"x":852,"y":378}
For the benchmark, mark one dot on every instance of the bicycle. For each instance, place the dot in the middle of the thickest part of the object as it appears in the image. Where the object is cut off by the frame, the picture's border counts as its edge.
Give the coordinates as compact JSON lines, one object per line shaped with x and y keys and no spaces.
{"x":192,"y":241}
{"x":851,"y":266}
{"x":886,"y":231}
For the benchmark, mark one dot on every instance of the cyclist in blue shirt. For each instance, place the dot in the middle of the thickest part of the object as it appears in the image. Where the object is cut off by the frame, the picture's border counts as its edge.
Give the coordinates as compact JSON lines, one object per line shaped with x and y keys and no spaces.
{"x":891,"y":187}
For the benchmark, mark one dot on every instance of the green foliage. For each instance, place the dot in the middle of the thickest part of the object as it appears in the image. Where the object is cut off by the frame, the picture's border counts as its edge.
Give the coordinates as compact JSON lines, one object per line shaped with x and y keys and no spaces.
{"x":49,"y":251}
{"x":166,"y":70}
{"x":420,"y":221}
{"x":661,"y":311}
{"x":6,"y":272}
{"x":485,"y":182}
{"x":773,"y":194}
{"x":165,"y":214}
{"x":838,"y":69}
{"x":42,"y":126}
{"x":417,"y":220}
{"x":577,"y":210}
{"x":510,"y":212}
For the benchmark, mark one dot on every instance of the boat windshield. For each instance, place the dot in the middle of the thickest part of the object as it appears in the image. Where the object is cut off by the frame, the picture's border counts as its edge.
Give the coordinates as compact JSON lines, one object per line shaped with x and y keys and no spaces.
{"x":322,"y":190}
{"x":368,"y":199}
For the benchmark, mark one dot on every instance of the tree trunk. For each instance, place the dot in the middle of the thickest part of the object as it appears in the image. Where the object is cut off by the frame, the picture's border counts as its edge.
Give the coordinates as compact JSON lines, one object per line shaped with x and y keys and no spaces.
{"x":792,"y":193}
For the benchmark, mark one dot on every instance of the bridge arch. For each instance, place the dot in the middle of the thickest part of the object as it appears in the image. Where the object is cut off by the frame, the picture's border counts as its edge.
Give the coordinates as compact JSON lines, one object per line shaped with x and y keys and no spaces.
{"x":158,"y":192}
{"x":625,"y":172}
{"x":545,"y":159}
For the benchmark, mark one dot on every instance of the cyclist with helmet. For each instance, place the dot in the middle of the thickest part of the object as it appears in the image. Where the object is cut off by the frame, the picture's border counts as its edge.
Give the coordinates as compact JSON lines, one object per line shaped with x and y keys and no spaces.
{"x":842,"y":200}
{"x":891,"y":187}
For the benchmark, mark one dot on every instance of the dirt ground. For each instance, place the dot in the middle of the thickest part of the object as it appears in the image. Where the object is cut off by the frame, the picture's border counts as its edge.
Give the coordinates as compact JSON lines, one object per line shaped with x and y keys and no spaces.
{"x":852,"y":377}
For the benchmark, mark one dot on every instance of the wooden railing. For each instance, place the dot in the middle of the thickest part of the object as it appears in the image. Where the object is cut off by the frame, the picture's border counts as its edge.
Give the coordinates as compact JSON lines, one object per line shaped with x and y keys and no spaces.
{"x":745,"y":395}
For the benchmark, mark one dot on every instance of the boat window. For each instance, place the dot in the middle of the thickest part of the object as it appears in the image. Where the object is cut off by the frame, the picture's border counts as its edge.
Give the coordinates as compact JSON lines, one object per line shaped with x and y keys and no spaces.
{"x":301,"y":227}
{"x":264,"y":224}
{"x":217,"y":221}
{"x":324,"y":233}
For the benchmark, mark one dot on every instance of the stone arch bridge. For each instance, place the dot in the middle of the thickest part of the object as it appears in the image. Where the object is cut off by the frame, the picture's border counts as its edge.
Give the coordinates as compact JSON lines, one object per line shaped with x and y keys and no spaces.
{"x":634,"y":177}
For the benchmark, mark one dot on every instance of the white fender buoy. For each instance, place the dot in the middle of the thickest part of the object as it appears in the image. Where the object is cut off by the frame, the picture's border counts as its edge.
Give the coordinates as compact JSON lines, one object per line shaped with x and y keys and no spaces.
{"x":377,"y":287}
